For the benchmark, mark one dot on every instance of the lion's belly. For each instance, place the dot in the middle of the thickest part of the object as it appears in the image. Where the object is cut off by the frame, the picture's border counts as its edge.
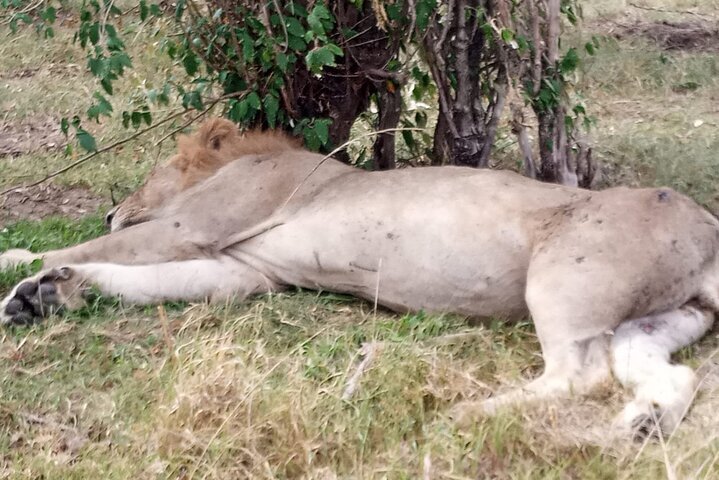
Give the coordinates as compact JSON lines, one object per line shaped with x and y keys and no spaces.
{"x":417,"y":259}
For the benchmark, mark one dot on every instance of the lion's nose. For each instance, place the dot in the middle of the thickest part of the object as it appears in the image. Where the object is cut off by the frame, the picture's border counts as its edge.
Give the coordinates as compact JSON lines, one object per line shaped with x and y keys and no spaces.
{"x":110,"y":215}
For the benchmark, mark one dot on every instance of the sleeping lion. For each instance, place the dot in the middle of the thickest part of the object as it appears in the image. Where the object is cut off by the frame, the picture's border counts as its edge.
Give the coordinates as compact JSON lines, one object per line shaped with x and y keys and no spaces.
{"x":615,"y":281}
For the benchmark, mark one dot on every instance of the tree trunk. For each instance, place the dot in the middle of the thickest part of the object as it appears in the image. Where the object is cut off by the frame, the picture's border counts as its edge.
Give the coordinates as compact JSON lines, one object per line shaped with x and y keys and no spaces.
{"x":389,"y":100}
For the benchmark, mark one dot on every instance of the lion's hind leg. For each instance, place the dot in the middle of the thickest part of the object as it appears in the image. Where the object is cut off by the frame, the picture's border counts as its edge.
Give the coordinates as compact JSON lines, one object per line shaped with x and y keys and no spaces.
{"x":641,"y":350}
{"x":572,"y":366}
{"x":64,"y":288}
{"x":574,"y":333}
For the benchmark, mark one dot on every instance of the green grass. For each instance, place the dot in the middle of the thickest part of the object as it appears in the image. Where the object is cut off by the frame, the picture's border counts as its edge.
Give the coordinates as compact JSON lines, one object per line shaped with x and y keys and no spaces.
{"x":254,"y":390}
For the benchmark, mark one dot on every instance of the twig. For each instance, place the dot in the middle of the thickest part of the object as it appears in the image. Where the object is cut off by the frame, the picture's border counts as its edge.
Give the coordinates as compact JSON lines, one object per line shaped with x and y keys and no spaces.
{"x":368,"y":352}
{"x":427,"y":467}
{"x":199,"y":115}
{"x":671,"y":473}
{"x":376,"y":288}
{"x":34,"y":373}
{"x":169,"y":341}
{"x":455,"y":338}
{"x":284,"y":27}
{"x":37,"y":419}
{"x":678,"y":12}
{"x":348,"y":142}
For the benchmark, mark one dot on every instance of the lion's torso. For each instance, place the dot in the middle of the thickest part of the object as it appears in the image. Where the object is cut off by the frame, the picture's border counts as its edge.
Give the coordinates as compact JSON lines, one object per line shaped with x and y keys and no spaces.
{"x":450,"y":238}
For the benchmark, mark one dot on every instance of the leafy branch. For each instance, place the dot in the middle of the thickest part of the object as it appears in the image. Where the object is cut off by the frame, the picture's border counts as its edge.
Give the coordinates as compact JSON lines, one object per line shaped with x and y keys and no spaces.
{"x":127,"y":139}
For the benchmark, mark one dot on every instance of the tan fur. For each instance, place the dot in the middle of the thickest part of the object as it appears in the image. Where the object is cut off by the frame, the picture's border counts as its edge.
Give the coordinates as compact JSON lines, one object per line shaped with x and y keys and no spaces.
{"x":234,"y":214}
{"x":215,"y":144}
{"x":218,"y":142}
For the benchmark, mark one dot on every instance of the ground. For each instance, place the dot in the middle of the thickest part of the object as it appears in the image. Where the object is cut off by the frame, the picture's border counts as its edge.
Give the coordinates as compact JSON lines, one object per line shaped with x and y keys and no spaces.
{"x":261,"y":389}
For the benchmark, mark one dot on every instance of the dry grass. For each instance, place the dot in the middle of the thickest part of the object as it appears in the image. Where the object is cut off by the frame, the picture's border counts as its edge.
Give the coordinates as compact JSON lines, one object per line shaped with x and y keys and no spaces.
{"x":256,"y":390}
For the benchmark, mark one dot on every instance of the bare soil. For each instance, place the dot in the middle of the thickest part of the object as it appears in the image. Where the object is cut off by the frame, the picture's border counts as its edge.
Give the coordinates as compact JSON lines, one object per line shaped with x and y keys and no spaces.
{"x":47,"y":200}
{"x":30,"y":135}
{"x":689,"y":35}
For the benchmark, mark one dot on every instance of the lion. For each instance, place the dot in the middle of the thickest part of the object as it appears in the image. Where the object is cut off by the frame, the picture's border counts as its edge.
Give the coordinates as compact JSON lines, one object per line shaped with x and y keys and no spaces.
{"x":614,"y":280}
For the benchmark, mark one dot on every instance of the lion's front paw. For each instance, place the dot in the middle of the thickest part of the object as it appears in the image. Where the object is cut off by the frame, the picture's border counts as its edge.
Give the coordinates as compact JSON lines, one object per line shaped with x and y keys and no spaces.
{"x":35,"y":298}
{"x":14,"y":257}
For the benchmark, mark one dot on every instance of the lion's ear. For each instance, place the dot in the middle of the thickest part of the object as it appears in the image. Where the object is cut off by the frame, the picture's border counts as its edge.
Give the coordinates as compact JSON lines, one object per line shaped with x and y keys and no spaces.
{"x":213,"y":132}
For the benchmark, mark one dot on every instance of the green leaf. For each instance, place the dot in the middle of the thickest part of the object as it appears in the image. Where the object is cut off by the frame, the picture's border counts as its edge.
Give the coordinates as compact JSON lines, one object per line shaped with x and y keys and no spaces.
{"x":190,"y":62}
{"x":94,"y":33}
{"x":253,"y":100}
{"x":272,"y":106}
{"x":408,"y":138}
{"x":282,"y":60}
{"x":338,"y":51}
{"x":568,"y":123}
{"x":192,"y":99}
{"x":136,"y":119}
{"x":102,"y":107}
{"x":322,"y":130}
{"x":297,"y":44}
{"x":294,"y":27}
{"x":49,"y":15}
{"x":64,"y":126}
{"x":589,"y":47}
{"x":86,"y":140}
{"x":569,"y":62}
{"x":248,"y":48}
{"x":311,"y":140}
{"x":118,"y":61}
{"x":394,"y":12}
{"x":106,"y":85}
{"x":96,"y":66}
{"x":114,"y":9}
{"x":423,"y":12}
{"x":144,"y":10}
{"x":110,"y":31}
{"x":569,"y":12}
{"x":321,"y":57}
{"x":238,"y":111}
{"x":319,"y":18}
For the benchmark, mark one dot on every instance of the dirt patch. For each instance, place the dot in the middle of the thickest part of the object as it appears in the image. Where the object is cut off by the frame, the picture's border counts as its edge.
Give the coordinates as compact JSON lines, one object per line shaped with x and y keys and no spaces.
{"x":691,"y":36}
{"x":59,"y":69}
{"x":30,"y":135}
{"x":47,"y":200}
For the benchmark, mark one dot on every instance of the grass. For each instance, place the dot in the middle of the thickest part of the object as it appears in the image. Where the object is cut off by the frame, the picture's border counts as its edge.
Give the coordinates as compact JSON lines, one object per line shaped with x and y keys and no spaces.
{"x":254,"y":390}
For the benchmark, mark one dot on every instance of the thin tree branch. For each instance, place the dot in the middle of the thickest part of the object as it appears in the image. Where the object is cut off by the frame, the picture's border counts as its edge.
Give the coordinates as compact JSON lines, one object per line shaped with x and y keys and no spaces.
{"x":340,"y":148}
{"x":118,"y":143}
{"x":525,"y":146}
{"x":678,"y":12}
{"x":199,"y":115}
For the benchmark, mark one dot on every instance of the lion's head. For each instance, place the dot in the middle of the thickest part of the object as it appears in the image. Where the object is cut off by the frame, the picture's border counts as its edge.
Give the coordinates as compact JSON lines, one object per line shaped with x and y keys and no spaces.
{"x":216,"y":143}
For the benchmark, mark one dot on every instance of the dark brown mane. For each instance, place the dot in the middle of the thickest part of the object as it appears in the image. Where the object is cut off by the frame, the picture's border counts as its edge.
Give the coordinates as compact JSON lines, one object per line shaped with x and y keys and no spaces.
{"x":218,"y":142}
